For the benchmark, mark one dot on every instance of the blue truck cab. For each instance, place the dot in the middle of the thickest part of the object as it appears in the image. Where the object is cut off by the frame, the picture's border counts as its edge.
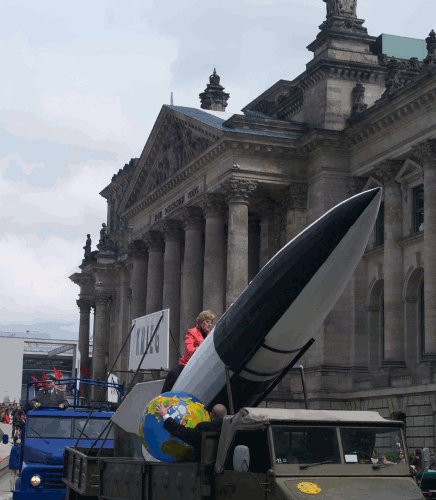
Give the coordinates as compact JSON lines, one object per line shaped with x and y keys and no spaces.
{"x":47,"y":432}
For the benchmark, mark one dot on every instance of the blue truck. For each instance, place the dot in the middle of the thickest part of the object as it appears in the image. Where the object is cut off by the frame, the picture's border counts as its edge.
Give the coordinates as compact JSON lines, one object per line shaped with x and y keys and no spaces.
{"x":48,"y":431}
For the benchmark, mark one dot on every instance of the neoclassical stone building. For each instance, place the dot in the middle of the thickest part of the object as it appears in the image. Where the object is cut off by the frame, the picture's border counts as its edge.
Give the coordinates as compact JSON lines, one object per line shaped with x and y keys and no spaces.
{"x":212,"y":197}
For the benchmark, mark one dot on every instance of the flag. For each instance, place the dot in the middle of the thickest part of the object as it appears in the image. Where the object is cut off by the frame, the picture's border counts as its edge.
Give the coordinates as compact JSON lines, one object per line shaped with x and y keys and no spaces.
{"x":38,"y":386}
{"x":44,"y":376}
{"x":58,"y":374}
{"x":85,"y":371}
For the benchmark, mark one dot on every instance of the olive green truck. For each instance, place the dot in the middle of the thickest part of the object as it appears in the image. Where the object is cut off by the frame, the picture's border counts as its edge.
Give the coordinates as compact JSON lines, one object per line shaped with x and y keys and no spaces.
{"x":264,"y":454}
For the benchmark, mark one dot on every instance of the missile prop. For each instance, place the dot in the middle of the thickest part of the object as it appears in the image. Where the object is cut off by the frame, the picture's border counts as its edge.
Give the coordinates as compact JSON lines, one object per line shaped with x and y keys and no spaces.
{"x":281,"y":309}
{"x":275,"y":317}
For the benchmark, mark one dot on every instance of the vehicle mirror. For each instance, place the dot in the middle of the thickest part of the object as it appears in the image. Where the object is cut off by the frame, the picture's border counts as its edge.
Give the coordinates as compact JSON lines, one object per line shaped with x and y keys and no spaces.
{"x":241,"y":459}
{"x":425,"y":459}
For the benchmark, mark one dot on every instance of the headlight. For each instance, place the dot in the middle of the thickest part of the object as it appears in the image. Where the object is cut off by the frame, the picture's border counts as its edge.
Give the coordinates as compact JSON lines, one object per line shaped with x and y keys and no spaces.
{"x":35,"y":481}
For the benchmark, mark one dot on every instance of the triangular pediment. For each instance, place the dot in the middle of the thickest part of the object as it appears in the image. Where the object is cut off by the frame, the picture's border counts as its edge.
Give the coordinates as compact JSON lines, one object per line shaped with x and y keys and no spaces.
{"x":409,"y":170}
{"x":176,"y":139}
{"x":372,"y":183}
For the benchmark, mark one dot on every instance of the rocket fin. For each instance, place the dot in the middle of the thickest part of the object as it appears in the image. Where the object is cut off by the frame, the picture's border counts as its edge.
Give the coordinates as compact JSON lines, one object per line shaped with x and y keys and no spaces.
{"x":130,"y":412}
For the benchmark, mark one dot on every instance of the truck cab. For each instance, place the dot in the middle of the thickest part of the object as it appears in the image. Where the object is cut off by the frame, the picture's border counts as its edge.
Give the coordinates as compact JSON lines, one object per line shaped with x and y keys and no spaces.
{"x":48,"y":430}
{"x":267,"y":454}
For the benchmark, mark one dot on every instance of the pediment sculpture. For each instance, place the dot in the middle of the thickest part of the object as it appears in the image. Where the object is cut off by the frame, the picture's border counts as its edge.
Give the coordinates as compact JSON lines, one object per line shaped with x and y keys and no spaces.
{"x":180,"y":146}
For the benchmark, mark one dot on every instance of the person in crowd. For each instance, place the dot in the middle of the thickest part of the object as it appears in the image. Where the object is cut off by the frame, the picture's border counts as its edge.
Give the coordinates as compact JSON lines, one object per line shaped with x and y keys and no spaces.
{"x":7,"y":419}
{"x":14,"y":462}
{"x":194,"y":337}
{"x":381,"y":459}
{"x":417,"y":460}
{"x":192,"y":436}
{"x":50,"y":396}
{"x":432,"y":462}
{"x":18,"y":419}
{"x":401,"y":457}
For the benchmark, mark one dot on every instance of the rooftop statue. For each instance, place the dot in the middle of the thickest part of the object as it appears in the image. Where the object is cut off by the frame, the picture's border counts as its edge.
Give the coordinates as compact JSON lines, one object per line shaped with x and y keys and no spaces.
{"x":345,"y":8}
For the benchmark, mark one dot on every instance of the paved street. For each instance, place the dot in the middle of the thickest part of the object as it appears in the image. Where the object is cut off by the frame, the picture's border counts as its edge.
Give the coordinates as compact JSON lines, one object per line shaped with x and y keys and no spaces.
{"x":5,"y":491}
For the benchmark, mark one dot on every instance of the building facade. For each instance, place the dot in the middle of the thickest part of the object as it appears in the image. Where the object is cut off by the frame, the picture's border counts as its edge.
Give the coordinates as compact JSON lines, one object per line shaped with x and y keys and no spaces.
{"x":213,"y":197}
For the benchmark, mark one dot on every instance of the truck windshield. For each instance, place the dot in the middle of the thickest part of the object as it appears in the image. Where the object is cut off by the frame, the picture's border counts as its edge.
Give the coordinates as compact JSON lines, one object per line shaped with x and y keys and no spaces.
{"x":377,"y":446}
{"x":93,"y":429}
{"x":305,"y":445}
{"x":48,"y":427}
{"x":62,"y":428}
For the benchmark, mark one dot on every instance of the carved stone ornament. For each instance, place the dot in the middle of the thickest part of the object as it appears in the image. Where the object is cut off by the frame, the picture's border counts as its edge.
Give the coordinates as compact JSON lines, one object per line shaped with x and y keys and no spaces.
{"x":346,"y":8}
{"x":358,"y":99}
{"x":138,"y":249}
{"x":387,"y":170}
{"x":213,"y":206}
{"x":425,"y":153}
{"x":430,"y":60}
{"x":171,"y":229}
{"x":84,"y":305}
{"x":105,"y":243}
{"x":239,"y":190}
{"x":154,"y":241}
{"x":214,"y":97}
{"x":180,"y":146}
{"x":87,"y":248}
{"x":103,"y":297}
{"x":355,"y":185}
{"x":393,"y":82}
{"x":192,"y":218}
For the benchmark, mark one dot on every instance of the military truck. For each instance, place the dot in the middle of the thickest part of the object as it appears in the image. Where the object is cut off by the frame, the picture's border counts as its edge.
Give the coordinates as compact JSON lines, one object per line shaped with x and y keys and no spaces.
{"x":263,"y":454}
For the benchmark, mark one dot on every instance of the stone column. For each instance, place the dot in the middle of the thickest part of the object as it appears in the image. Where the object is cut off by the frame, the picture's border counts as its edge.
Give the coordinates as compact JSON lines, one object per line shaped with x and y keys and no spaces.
{"x":253,"y":246}
{"x":123,"y":323}
{"x":192,"y":298}
{"x":172,"y":234}
{"x":267,"y":232}
{"x":84,"y":326}
{"x":214,"y":255}
{"x":100,"y":346}
{"x":296,"y":206}
{"x":238,"y":192}
{"x":138,"y":280}
{"x":154,"y":242}
{"x":393,"y":351}
{"x":426,"y":154}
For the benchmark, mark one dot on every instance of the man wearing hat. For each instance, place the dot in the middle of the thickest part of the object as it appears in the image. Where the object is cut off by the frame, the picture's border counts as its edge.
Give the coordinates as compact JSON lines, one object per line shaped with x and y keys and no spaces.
{"x":50,"y":396}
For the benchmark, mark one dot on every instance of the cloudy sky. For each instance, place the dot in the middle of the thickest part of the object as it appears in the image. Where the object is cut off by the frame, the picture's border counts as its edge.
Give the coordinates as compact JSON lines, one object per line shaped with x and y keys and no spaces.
{"x":82,"y":84}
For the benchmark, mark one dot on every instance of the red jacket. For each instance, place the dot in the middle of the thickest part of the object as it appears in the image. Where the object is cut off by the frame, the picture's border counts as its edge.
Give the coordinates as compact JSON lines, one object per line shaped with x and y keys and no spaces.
{"x":193,"y":339}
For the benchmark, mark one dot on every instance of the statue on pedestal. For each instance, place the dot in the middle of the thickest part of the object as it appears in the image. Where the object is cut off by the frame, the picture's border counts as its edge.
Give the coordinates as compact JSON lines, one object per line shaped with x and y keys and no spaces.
{"x":345,"y":8}
{"x":87,"y":247}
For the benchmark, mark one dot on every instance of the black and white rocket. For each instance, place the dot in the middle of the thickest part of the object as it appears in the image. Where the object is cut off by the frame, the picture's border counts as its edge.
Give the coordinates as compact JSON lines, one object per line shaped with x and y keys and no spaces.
{"x":283,"y":307}
{"x":275,"y":317}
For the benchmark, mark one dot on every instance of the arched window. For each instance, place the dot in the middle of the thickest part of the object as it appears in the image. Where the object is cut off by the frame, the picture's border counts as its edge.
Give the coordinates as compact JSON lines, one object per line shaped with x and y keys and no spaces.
{"x":422,"y":318}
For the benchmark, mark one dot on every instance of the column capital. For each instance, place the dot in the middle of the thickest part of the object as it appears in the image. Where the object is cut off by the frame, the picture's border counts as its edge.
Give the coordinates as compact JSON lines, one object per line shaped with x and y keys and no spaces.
{"x":138,"y":249}
{"x":239,"y":190}
{"x":387,"y":170}
{"x":192,"y":218}
{"x":171,"y":230}
{"x":425,"y":152}
{"x":84,"y":305}
{"x":103,"y":297}
{"x":154,"y":241}
{"x":295,"y":196}
{"x":355,"y":185}
{"x":213,"y":206}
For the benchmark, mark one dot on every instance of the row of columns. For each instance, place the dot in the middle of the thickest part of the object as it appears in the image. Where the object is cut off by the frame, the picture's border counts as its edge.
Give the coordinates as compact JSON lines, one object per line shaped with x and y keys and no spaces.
{"x":394,"y":341}
{"x":212,"y":280}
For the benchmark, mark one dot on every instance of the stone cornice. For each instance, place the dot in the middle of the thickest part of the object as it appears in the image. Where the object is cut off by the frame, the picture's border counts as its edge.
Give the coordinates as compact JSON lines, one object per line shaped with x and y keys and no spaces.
{"x":321,"y":139}
{"x":387,"y":112}
{"x":374,"y":252}
{"x":411,"y":240}
{"x":80,"y":278}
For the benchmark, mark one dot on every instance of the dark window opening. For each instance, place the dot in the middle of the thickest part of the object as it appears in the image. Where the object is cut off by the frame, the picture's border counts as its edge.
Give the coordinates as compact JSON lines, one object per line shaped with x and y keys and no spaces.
{"x":257,"y":443}
{"x":380,"y":226}
{"x":422,"y":319}
{"x":418,"y":209}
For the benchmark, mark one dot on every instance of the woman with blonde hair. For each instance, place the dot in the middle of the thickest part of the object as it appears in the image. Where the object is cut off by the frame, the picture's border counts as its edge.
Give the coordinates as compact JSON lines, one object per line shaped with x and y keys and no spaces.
{"x":194,"y":337}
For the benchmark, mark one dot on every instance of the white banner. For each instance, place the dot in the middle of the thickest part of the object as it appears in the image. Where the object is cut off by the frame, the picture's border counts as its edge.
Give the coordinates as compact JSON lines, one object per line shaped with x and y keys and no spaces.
{"x":158,"y":353}
{"x":11,"y":373}
{"x":112,"y":393}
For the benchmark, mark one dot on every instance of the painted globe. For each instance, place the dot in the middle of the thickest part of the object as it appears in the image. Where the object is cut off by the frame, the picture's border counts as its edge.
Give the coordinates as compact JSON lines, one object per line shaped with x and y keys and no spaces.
{"x":184,"y":409}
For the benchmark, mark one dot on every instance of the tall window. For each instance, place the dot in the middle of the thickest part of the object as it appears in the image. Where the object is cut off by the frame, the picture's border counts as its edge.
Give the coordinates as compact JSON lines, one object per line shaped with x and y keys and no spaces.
{"x":380,"y":226}
{"x":382,"y":323}
{"x":418,"y":209}
{"x":422,"y":319}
